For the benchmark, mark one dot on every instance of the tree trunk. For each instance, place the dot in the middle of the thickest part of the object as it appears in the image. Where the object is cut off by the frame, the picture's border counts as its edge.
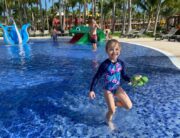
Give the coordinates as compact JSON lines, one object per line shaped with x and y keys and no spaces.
{"x":157,"y":17}
{"x":124,"y":18}
{"x":7,"y":11}
{"x":149,"y":23}
{"x":85,"y":9}
{"x":144,"y":19}
{"x":129,"y":17}
{"x":102,"y":14}
{"x":93,"y":8}
{"x":52,"y":5}
{"x":32,"y":17}
{"x":113,"y":17}
{"x":42,"y":16}
{"x":47,"y":20}
{"x":25,"y":13}
{"x":60,"y":16}
{"x":20,"y":13}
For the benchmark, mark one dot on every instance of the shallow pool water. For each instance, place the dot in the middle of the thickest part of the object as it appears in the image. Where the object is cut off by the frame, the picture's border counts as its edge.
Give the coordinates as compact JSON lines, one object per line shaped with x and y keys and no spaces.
{"x":44,"y":93}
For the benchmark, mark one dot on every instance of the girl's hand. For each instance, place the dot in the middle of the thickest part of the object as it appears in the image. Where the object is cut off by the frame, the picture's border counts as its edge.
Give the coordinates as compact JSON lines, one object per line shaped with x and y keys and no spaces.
{"x":92,"y":95}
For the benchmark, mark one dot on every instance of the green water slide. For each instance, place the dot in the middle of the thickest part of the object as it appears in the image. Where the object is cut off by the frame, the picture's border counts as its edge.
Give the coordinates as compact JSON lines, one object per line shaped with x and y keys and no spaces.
{"x":101,"y":36}
{"x":85,"y":37}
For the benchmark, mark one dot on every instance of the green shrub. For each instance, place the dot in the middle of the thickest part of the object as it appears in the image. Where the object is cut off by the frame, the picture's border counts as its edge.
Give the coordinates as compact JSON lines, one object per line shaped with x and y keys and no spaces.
{"x":116,"y":34}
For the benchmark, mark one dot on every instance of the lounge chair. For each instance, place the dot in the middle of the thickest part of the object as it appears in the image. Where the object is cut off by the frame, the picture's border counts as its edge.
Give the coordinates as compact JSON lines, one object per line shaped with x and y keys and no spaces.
{"x":38,"y":33}
{"x":174,"y":38}
{"x":127,"y":34}
{"x":31,"y":33}
{"x":137,"y":34}
{"x":65,"y":33}
{"x":168,"y":35}
{"x":46,"y":33}
{"x":178,"y":38}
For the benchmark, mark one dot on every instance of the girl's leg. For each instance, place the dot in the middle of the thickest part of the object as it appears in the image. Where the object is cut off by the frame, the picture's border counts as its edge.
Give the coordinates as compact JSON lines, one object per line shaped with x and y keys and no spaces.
{"x":123,"y":98}
{"x":111,"y":105}
{"x":94,"y":46}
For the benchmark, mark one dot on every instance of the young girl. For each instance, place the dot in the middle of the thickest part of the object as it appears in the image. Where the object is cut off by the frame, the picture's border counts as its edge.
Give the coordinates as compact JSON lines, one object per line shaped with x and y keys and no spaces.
{"x":54,"y":34}
{"x":112,"y":69}
{"x":108,"y":36}
{"x":93,"y":33}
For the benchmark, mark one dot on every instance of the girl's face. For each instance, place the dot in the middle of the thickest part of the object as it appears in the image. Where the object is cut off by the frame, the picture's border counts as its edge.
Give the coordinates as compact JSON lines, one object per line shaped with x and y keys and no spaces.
{"x":113,"y":52}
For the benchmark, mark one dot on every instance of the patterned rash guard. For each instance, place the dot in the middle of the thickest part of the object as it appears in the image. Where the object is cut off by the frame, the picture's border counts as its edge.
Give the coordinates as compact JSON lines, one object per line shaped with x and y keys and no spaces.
{"x":112,"y":75}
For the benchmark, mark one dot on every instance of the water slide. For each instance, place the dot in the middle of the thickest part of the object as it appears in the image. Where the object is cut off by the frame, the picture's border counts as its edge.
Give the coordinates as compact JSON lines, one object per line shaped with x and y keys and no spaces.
{"x":16,"y":31}
{"x":12,"y":35}
{"x":82,"y":35}
{"x":84,"y":39}
{"x":76,"y":37}
{"x":24,"y":33}
{"x":6,"y":35}
{"x":101,"y":36}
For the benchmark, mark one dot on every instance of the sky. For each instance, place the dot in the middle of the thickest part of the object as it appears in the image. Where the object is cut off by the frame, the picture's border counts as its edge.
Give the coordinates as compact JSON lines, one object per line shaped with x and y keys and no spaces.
{"x":49,"y":3}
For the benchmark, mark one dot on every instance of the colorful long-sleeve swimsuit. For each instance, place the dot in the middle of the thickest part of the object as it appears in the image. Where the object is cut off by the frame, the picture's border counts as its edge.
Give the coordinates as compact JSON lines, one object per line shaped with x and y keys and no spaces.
{"x":112,"y":75}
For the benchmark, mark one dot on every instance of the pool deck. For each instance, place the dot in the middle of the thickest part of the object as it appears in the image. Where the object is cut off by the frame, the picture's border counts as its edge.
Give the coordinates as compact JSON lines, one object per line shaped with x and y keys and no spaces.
{"x":171,"y":49}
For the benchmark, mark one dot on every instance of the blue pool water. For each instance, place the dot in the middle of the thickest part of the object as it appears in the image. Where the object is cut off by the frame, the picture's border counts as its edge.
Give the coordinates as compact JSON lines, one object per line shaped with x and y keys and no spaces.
{"x":44,"y":93}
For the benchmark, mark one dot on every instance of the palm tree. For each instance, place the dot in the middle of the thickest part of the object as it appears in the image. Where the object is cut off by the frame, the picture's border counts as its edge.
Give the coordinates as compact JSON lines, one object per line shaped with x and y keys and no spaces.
{"x":47,"y":19}
{"x":149,"y":6}
{"x":129,"y":17}
{"x":124,"y":17}
{"x":168,"y":4}
{"x":101,"y":2}
{"x":32,"y":11}
{"x":41,"y":14}
{"x":113,"y":16}
{"x":85,"y":3}
{"x":7,"y":4}
{"x":113,"y":4}
{"x":157,"y":16}
{"x":2,"y":8}
{"x":93,"y":8}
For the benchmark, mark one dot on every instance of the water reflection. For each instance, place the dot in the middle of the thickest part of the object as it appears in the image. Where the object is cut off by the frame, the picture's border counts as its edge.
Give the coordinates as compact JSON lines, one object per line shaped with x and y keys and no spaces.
{"x":95,"y":62}
{"x":21,"y":53}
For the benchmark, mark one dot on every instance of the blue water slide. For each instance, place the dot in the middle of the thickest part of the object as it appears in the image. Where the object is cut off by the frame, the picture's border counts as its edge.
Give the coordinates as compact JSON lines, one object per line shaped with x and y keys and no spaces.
{"x":10,"y":34}
{"x":24,"y":33}
{"x":8,"y":38}
{"x":14,"y":35}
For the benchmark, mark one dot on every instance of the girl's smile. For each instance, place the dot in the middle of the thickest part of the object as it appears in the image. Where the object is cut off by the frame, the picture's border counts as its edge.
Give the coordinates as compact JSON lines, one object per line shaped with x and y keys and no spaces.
{"x":113,"y":52}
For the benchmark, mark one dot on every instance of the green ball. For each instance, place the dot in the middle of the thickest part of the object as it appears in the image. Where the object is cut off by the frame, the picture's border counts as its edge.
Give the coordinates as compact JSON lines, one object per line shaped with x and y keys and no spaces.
{"x":133,"y":78}
{"x":138,"y":80}
{"x":145,"y":79}
{"x":140,"y":83}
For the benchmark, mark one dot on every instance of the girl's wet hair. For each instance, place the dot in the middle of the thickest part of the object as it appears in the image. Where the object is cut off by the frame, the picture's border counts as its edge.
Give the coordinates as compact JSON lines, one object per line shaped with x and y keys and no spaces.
{"x":112,"y":42}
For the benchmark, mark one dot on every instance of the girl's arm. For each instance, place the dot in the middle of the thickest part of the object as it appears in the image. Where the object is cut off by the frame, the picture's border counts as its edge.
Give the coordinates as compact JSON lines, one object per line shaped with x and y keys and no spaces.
{"x":97,"y":25}
{"x":97,"y":76}
{"x":123,"y":72}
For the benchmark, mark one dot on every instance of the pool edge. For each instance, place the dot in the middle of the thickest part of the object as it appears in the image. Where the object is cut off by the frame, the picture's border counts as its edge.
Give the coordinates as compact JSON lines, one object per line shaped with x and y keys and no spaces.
{"x":171,"y":56}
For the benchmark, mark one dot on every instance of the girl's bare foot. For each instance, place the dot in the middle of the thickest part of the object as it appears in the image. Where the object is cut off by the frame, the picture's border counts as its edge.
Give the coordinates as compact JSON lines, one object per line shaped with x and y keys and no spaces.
{"x":111,"y":125}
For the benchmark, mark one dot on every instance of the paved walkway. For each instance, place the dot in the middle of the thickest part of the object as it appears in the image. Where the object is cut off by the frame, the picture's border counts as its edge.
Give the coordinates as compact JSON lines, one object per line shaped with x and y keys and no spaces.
{"x":171,"y":49}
